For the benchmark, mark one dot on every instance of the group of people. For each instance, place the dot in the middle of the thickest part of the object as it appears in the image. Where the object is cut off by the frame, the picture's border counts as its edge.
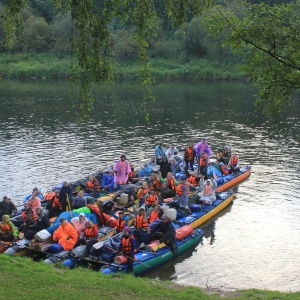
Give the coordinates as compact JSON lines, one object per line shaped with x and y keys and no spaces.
{"x":166,"y":175}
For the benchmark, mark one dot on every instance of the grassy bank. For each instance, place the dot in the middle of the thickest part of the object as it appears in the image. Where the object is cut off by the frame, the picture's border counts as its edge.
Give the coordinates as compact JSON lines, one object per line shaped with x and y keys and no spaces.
{"x":17,"y":66}
{"x":25,"y":279}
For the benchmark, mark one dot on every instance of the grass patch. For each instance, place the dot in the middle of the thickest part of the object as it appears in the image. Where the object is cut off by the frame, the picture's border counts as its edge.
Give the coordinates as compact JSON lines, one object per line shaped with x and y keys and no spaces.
{"x":24,"y":279}
{"x":45,"y":65}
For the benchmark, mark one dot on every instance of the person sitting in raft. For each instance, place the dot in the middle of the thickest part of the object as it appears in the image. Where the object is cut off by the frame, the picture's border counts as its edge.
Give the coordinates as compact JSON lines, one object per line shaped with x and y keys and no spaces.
{"x":65,"y":195}
{"x":79,"y":201}
{"x":134,"y":177}
{"x":164,"y":168}
{"x":65,"y":236}
{"x":8,"y":231}
{"x":145,"y":171}
{"x":151,"y":198}
{"x":234,"y":163}
{"x":208,"y":193}
{"x":89,"y":237}
{"x":34,"y":201}
{"x":108,"y":181}
{"x":189,"y":156}
{"x":37,"y":192}
{"x":142,"y":192}
{"x":182,"y":193}
{"x":121,"y":170}
{"x":54,"y":206}
{"x":202,"y":147}
{"x":203,"y":163}
{"x":6,"y":207}
{"x":93,"y":187}
{"x":174,"y":166}
{"x":219,"y":157}
{"x":152,"y":164}
{"x":155,"y":214}
{"x":159,"y":151}
{"x":154,"y":181}
{"x":166,"y":233}
{"x":224,"y":169}
{"x":29,"y":217}
{"x":171,"y":151}
{"x":171,"y":184}
{"x":79,"y":224}
{"x":192,"y":178}
{"x":122,"y":222}
{"x":42,"y":222}
{"x":127,"y":247}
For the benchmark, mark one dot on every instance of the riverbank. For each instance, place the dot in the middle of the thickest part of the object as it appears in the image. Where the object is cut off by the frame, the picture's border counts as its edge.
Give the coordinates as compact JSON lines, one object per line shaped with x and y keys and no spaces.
{"x":17,"y":66}
{"x":25,"y":279}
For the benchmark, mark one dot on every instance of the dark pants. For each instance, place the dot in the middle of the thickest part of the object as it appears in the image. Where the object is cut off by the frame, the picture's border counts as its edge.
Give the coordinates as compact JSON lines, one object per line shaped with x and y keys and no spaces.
{"x":54,"y":211}
{"x":203,"y":171}
{"x":234,"y":169}
{"x":191,"y":165}
{"x":130,"y":261}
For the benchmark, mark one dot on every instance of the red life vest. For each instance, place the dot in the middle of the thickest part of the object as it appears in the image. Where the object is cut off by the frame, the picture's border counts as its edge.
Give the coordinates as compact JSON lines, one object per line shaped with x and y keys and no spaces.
{"x":140,"y":222}
{"x":189,"y":154}
{"x":202,"y":162}
{"x":56,"y":203}
{"x":5,"y":228}
{"x":170,"y":183}
{"x":179,"y":190}
{"x":126,"y":245}
{"x":192,"y":180}
{"x":91,"y":232}
{"x":224,"y":169}
{"x":120,"y":225}
{"x":49,"y":196}
{"x":33,"y":215}
{"x":234,"y":160}
{"x":151,"y":199}
{"x":153,"y":216}
{"x":90,"y":184}
{"x":142,"y":192}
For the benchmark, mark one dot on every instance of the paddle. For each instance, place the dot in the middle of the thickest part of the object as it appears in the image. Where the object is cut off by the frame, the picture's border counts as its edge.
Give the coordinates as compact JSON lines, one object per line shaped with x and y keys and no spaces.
{"x":69,"y":205}
{"x":142,"y":263}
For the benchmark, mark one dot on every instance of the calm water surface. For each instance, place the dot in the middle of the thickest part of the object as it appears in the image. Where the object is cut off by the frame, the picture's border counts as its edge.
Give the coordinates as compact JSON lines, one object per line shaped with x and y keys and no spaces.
{"x":254,"y":243}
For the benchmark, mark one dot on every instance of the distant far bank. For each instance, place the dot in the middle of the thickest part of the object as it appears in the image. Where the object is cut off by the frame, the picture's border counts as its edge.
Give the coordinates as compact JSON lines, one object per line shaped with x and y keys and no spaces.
{"x":27,"y":65}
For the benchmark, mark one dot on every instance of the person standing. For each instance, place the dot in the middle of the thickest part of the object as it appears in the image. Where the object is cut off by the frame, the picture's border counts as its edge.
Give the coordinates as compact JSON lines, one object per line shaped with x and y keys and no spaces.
{"x":182,"y":193}
{"x":121,"y":170}
{"x":189,"y":156}
{"x":65,"y":195}
{"x":159,"y":151}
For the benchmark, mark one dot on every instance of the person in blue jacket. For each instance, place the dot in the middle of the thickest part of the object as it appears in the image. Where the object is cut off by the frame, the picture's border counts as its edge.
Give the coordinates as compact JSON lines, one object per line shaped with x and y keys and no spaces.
{"x":145,"y":171}
{"x":36,"y":191}
{"x":159,"y":151}
{"x":108,"y":181}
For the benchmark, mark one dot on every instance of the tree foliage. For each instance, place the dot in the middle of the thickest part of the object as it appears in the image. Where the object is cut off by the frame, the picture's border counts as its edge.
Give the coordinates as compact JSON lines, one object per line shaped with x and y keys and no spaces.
{"x":270,"y":35}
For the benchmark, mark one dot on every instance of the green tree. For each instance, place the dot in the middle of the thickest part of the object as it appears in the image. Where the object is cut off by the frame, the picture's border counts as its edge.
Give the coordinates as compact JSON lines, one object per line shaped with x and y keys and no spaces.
{"x":270,"y":37}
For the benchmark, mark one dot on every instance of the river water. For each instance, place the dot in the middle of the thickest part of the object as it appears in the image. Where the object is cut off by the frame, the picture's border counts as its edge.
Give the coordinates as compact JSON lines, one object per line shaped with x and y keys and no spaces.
{"x":254,"y":243}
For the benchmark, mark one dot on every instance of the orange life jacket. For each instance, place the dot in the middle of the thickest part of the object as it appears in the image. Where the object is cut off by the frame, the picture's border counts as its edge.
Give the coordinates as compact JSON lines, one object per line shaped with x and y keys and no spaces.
{"x":56,"y":203}
{"x":49,"y":196}
{"x":151,"y":199}
{"x":189,"y":154}
{"x":224,"y":169}
{"x":90,"y":184}
{"x":142,"y":192}
{"x":153,"y":216}
{"x":5,"y":228}
{"x":91,"y":232}
{"x":126,"y":245}
{"x":179,"y":190}
{"x":120,"y":225}
{"x":234,"y":160}
{"x":33,"y":215}
{"x":170,"y":183}
{"x":140,"y":222}
{"x":192,"y":180}
{"x":202,"y":162}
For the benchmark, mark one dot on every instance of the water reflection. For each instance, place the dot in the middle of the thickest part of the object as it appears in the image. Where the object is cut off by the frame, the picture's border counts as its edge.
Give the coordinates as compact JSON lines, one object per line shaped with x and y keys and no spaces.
{"x":41,"y":144}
